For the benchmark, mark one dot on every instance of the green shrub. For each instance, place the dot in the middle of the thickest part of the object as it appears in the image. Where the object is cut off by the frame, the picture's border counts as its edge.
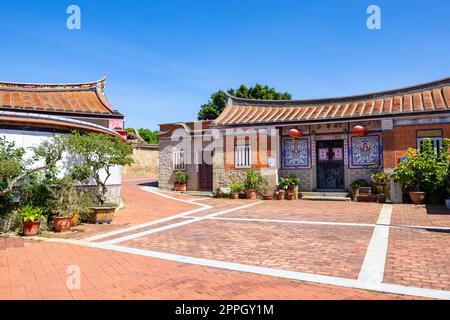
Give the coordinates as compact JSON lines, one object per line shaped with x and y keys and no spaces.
{"x":237,"y":187}
{"x":253,"y":180}
{"x":31,"y":214}
{"x":181,"y":178}
{"x":360,"y":183}
{"x":425,"y":170}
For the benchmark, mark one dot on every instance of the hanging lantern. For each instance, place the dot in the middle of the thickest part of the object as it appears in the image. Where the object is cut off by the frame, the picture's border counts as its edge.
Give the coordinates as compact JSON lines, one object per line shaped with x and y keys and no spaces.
{"x":360,"y":130}
{"x":295,"y":133}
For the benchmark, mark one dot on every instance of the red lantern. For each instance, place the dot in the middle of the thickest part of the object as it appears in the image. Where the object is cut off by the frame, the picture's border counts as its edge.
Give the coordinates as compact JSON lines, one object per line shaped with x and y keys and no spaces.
{"x":295,"y":133}
{"x":360,"y":130}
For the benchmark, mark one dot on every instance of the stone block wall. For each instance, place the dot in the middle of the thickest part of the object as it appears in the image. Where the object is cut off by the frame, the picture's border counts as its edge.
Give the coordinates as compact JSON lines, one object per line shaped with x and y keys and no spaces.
{"x":146,"y":162}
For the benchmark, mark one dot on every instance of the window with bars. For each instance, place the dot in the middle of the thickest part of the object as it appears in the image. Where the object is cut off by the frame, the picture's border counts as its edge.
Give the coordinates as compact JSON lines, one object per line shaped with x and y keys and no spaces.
{"x":243,"y":157}
{"x":435,"y":141}
{"x":179,"y":160}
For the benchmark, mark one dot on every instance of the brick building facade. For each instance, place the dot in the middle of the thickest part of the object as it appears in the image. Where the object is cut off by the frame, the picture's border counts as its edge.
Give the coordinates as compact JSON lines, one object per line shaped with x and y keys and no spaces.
{"x":327,"y":155}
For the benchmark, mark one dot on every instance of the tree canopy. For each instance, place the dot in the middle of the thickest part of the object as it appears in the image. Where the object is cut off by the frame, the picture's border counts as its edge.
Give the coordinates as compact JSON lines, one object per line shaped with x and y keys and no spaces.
{"x":218,"y":100}
{"x":149,"y":136}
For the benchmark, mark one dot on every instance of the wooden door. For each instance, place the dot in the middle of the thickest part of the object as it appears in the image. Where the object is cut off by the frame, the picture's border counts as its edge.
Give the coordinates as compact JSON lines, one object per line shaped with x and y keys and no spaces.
{"x":330,"y":165}
{"x":205,"y":174}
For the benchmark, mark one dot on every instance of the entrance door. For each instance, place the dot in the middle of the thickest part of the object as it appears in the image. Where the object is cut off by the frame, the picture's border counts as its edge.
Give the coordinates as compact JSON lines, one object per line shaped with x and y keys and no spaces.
{"x":205,"y":175}
{"x":330,"y":165}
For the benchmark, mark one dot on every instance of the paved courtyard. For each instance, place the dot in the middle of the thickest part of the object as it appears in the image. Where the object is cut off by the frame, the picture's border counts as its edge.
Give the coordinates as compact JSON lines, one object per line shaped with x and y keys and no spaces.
{"x":172,"y":246}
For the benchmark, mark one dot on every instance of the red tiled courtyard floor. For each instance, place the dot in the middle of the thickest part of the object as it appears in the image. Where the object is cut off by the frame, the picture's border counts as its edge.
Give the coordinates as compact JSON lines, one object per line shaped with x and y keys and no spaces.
{"x":140,"y":207}
{"x":327,"y":211}
{"x":328,"y":250}
{"x":38,"y":270}
{"x":421,"y":215}
{"x":418,"y":258}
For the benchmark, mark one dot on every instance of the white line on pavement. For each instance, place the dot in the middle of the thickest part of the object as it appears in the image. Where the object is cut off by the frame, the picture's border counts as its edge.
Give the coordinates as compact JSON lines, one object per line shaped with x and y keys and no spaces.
{"x":176,"y":225}
{"x":325,"y":223}
{"x":292,"y":275}
{"x":372,"y":270}
{"x":152,"y":223}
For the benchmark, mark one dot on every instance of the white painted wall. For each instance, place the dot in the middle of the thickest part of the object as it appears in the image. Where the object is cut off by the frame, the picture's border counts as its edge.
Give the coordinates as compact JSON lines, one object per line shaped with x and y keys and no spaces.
{"x":27,"y":139}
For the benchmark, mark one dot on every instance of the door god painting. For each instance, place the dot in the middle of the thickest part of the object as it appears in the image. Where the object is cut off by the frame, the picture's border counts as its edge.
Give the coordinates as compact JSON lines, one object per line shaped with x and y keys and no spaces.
{"x":295,"y":153}
{"x":365,"y":151}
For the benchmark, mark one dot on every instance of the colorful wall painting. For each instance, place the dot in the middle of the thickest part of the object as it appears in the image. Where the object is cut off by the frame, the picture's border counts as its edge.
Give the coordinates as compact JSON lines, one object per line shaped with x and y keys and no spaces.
{"x":296,"y":153}
{"x":365,"y":151}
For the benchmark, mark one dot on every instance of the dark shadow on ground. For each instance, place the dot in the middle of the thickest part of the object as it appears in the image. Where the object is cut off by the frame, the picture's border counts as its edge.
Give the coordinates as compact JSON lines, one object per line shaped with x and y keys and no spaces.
{"x":149,"y":184}
{"x":436,"y":209}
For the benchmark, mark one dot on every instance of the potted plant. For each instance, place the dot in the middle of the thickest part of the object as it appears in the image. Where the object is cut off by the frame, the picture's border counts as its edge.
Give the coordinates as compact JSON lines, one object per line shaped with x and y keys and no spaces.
{"x":98,"y":154}
{"x":283,"y":187}
{"x":423,"y":171}
{"x":254,"y":181}
{"x":181,"y":180}
{"x":355,"y":185}
{"x":294,"y":186}
{"x":381,"y":181}
{"x":236,"y":188}
{"x":31,"y":218}
{"x":64,"y":203}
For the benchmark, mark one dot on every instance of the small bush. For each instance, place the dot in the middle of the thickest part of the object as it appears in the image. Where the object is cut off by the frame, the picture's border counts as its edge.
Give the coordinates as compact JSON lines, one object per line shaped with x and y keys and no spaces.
{"x":181,"y":178}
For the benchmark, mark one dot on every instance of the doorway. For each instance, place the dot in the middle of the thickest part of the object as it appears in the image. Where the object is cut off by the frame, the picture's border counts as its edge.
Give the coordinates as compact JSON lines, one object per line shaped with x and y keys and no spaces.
{"x":330,"y":165}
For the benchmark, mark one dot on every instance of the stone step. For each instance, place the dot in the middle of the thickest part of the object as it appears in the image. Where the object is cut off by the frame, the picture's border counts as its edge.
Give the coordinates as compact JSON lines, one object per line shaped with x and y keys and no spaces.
{"x":326,"y":196}
{"x":205,"y":194}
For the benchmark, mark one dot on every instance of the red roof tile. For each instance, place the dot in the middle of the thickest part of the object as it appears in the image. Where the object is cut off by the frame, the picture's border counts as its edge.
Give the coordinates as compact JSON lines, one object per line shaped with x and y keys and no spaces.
{"x":421,"y":99}
{"x":82,"y":98}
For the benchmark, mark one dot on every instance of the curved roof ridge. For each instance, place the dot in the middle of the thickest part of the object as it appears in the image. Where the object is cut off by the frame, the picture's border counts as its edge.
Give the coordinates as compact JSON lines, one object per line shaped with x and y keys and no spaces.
{"x":354,"y":98}
{"x":62,"y":86}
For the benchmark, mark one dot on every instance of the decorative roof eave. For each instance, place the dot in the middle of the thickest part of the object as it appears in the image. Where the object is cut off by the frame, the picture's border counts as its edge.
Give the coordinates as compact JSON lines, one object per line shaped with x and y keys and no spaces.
{"x":18,"y":86}
{"x":348,"y":99}
{"x":430,"y":98}
{"x":56,"y":122}
{"x":336,"y":120}
{"x":76,"y":98}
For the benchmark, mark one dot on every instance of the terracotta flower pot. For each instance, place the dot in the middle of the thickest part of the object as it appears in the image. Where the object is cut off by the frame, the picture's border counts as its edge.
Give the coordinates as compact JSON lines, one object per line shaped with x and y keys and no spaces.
{"x":235,"y":195}
{"x":61,"y":224}
{"x":102,"y":215}
{"x":180,"y":187}
{"x":418,"y":197}
{"x":281,"y":194}
{"x":75,"y":220}
{"x":242,"y":195}
{"x":31,"y":228}
{"x":250,"y":194}
{"x":290,"y":196}
{"x":268,"y":197}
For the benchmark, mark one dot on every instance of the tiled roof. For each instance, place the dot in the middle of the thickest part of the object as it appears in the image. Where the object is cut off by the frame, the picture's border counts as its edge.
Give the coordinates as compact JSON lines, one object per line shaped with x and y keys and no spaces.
{"x":50,"y":121}
{"x":426,"y":98}
{"x":81,"y":98}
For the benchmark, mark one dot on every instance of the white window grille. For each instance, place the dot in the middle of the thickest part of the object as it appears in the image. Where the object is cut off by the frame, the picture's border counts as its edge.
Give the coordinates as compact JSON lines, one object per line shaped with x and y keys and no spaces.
{"x":435,"y":141}
{"x":179,"y":162}
{"x":243,"y":157}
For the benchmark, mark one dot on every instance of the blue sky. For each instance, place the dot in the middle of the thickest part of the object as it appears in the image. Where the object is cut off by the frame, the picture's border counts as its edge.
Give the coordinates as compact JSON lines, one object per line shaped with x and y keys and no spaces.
{"x":166,"y":57}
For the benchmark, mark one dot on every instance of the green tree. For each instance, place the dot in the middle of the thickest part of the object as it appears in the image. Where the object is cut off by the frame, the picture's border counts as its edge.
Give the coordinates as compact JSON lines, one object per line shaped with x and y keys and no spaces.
{"x":218,"y":100}
{"x":149,"y":136}
{"x":97,"y":152}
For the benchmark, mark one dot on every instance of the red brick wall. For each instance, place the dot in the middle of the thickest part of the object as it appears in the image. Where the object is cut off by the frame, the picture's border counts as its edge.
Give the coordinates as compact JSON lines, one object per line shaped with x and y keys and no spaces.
{"x":406,"y":137}
{"x":389,"y":149}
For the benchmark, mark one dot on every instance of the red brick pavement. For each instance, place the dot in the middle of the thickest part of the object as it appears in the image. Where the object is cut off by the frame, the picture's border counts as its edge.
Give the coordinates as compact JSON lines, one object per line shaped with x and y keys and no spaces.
{"x":421,"y":215}
{"x":418,"y":258}
{"x":328,"y":250}
{"x":329,"y":211}
{"x":38,"y":271}
{"x":140,"y":207}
